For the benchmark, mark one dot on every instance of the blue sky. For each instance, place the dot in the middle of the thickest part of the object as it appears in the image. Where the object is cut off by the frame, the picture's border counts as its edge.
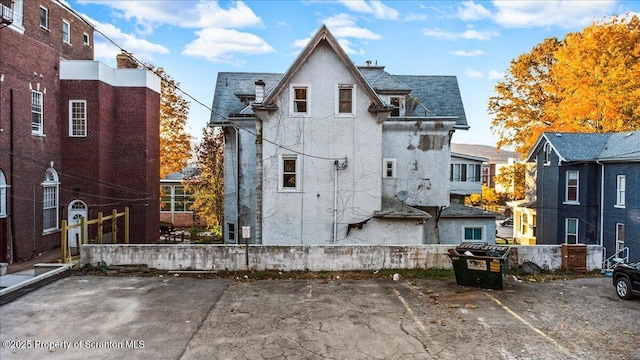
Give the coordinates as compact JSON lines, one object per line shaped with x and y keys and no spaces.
{"x":473,"y":40}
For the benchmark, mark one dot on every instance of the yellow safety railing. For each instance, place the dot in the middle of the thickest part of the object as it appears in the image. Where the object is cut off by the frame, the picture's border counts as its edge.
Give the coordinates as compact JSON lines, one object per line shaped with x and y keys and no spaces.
{"x":66,"y":251}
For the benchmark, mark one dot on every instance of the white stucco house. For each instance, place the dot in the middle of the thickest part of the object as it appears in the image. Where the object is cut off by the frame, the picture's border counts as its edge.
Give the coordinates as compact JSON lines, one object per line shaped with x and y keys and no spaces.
{"x":334,"y":153}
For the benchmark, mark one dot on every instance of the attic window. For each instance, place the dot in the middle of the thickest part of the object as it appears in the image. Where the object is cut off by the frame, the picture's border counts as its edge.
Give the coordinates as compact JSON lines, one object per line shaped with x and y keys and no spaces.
{"x":345,"y":104}
{"x":547,"y":154}
{"x":395,"y":101}
{"x":299,"y":99}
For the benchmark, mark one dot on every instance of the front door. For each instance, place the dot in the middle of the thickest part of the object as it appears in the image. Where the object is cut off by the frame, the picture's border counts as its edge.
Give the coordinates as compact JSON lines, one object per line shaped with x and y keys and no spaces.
{"x":77,"y":210}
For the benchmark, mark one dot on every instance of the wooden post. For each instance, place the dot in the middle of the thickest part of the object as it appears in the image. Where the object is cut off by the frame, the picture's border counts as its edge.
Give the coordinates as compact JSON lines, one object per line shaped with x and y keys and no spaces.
{"x":63,"y":244}
{"x":114,"y":226}
{"x":126,"y":225}
{"x":100,"y":228}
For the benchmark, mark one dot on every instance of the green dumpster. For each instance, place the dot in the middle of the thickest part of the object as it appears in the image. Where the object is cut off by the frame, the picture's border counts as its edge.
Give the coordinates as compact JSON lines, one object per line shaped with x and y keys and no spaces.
{"x":480,"y":265}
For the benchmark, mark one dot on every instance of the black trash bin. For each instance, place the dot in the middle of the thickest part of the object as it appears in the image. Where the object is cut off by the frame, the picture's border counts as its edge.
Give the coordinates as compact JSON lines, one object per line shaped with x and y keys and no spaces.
{"x":480,"y":265}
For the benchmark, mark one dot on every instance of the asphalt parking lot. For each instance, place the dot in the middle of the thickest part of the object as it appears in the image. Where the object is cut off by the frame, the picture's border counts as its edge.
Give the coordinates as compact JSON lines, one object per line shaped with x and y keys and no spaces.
{"x":169,"y":317}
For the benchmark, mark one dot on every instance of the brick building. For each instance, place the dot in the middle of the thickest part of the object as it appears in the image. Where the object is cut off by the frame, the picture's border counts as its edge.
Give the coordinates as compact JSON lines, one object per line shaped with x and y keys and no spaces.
{"x":76,"y":136}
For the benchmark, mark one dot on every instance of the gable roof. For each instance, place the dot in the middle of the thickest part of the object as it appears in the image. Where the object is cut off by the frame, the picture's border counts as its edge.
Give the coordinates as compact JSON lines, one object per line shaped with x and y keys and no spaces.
{"x":589,"y":147}
{"x":323,"y":34}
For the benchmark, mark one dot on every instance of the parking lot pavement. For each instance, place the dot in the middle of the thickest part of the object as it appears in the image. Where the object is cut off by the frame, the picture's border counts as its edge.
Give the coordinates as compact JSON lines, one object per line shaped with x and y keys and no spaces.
{"x":183,"y":318}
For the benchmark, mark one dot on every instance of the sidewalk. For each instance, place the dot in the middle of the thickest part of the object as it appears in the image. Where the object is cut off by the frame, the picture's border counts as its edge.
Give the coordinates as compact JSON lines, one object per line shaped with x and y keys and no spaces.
{"x":21,"y":272}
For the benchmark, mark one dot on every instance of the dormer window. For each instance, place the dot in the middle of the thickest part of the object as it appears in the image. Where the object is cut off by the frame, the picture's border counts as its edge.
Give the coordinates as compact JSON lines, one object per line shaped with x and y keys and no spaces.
{"x":398,"y":106}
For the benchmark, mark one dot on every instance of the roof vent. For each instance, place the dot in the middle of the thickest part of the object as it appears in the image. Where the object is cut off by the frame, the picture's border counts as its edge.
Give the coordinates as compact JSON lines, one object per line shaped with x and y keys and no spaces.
{"x":558,"y":135}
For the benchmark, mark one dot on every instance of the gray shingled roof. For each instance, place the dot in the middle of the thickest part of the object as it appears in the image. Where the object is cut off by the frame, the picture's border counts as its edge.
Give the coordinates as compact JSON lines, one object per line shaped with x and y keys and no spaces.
{"x":438,"y":95}
{"x":591,"y":147}
{"x":455,"y":210}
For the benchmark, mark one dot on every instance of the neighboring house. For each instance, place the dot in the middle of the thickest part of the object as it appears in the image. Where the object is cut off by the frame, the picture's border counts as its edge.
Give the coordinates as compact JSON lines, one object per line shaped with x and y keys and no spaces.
{"x":176,"y":201}
{"x":333,"y":153}
{"x":582,"y":197}
{"x":465,"y":174}
{"x":77,"y":137}
{"x":524,"y":221}
{"x":495,"y":159}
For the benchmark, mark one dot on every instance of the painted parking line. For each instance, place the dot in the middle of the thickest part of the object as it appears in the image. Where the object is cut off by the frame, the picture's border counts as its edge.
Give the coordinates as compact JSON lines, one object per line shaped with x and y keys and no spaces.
{"x":538,"y":331}
{"x":410,"y":311}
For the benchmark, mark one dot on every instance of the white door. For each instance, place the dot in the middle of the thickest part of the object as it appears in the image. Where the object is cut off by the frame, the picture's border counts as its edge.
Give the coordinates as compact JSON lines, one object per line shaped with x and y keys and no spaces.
{"x":77,"y":210}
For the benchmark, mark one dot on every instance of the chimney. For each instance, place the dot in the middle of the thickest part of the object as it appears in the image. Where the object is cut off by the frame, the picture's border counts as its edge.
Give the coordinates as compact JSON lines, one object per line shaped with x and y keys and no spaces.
{"x":368,"y":63}
{"x":259,"y":91}
{"x":125,"y":61}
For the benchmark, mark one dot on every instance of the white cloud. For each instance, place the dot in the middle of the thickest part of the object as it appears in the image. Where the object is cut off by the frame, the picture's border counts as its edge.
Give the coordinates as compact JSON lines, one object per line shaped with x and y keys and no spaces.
{"x":496,"y":75}
{"x":468,"y":53}
{"x":563,"y":13}
{"x":106,"y":51}
{"x":344,"y":26}
{"x":220,"y":45}
{"x":150,"y":14}
{"x":347,"y":46}
{"x":472,"y":11}
{"x":440,"y":34}
{"x":300,"y":43}
{"x":470,"y":34}
{"x":374,"y":7}
{"x":473,"y":73}
{"x":416,"y":17}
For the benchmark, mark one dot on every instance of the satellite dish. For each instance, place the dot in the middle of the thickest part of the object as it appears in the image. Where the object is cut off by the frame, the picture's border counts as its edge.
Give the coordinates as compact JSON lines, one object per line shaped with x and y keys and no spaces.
{"x":402,"y":195}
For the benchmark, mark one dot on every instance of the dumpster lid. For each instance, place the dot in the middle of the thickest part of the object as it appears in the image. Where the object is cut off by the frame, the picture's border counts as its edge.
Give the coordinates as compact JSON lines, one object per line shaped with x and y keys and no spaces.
{"x":484,"y":247}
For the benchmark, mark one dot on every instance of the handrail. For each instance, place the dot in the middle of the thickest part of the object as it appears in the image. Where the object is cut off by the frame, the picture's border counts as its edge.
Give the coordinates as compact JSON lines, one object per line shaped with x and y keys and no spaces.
{"x":620,"y":256}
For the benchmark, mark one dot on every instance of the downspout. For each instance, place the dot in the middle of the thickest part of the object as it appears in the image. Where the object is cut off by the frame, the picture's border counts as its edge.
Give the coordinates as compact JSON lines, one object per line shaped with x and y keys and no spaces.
{"x":335,"y":201}
{"x":237,"y":176}
{"x":258,"y":182}
{"x":12,"y":251}
{"x":601,"y":203}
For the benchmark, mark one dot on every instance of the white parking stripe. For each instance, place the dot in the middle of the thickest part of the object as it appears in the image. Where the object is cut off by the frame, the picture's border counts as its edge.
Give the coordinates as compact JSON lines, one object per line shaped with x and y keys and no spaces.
{"x":406,"y":306}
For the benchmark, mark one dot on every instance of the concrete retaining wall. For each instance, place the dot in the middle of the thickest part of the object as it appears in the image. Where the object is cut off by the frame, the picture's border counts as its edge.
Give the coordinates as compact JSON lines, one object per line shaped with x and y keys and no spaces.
{"x":314,"y":258}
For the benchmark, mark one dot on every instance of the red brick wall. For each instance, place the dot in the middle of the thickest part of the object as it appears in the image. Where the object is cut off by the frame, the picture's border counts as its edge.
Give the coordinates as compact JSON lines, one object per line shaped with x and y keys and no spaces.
{"x":32,"y":59}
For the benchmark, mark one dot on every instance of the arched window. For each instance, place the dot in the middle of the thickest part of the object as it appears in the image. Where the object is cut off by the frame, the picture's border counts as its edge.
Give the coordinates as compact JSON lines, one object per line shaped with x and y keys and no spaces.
{"x":3,"y":195}
{"x":50,"y":187}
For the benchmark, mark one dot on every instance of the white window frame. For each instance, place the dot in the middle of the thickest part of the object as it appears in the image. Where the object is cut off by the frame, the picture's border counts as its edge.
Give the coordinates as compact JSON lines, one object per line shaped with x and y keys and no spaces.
{"x":547,"y":154}
{"x":389,"y":164}
{"x":50,"y":199}
{"x":460,"y":170}
{"x":621,"y":184}
{"x":37,"y":112}
{"x":575,"y":201}
{"x":482,"y":229}
{"x":474,"y":173}
{"x":400,"y":107}
{"x":567,"y":233}
{"x":86,"y":39}
{"x":619,"y":237}
{"x":18,"y":16}
{"x":3,"y":195}
{"x":66,"y":35}
{"x":292,"y":102}
{"x":46,"y":18}
{"x":297,"y":174}
{"x":352,"y":112}
{"x":73,"y":118}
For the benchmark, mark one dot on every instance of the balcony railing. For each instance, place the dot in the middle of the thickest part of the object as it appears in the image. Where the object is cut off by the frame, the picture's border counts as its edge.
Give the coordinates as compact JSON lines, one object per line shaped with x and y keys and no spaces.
{"x":7,"y":15}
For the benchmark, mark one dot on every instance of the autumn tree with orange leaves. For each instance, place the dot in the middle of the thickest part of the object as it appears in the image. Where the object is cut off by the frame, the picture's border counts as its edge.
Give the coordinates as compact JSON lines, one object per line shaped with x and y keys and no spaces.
{"x":588,"y":82}
{"x":175,"y":143}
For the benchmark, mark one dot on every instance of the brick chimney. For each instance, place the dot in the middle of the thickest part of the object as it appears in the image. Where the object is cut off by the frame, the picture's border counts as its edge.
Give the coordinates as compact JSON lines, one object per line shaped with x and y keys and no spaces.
{"x":125,"y":61}
{"x":259,"y":90}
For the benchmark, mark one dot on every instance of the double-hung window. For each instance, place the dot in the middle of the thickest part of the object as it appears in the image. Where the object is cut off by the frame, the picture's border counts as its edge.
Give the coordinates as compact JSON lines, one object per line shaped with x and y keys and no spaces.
{"x":389,"y":168}
{"x":571,"y":231}
{"x":86,"y":39}
{"x":547,"y":153}
{"x":36,"y":113}
{"x":620,"y":190}
{"x":3,"y":195}
{"x":619,"y":237}
{"x":44,"y":18}
{"x":299,"y":100}
{"x":66,"y":32}
{"x":397,"y":106}
{"x":571,"y":189}
{"x":345,"y":104}
{"x":458,"y":172}
{"x":289,"y":170}
{"x":77,"y":118}
{"x":50,"y":187}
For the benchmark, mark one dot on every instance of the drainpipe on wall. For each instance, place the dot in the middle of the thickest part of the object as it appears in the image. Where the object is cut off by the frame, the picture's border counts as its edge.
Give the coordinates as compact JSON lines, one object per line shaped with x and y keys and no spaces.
{"x":258,"y":182}
{"x":601,"y":203}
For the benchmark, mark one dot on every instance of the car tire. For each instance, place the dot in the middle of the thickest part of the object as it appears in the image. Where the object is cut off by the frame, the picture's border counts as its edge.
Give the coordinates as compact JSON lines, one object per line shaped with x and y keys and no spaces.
{"x":623,"y":288}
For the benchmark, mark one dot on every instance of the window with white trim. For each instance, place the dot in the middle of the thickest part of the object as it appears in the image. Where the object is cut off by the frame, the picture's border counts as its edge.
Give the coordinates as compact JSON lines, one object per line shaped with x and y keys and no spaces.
{"x":299,"y":100}
{"x":3,"y":195}
{"x":289,"y":170}
{"x":473,"y":234}
{"x":547,"y":153}
{"x":77,"y":118}
{"x":231,"y":232}
{"x":86,"y":39}
{"x":571,"y":231}
{"x":621,"y":184}
{"x":388,"y":168}
{"x":458,"y":172}
{"x":36,"y":112}
{"x":571,"y":189}
{"x":619,"y":237}
{"x":474,"y":172}
{"x":345,"y":100}
{"x":44,"y":17}
{"x":14,"y":10}
{"x":66,"y":32}
{"x":175,"y":198}
{"x":398,"y":106}
{"x":50,"y":188}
